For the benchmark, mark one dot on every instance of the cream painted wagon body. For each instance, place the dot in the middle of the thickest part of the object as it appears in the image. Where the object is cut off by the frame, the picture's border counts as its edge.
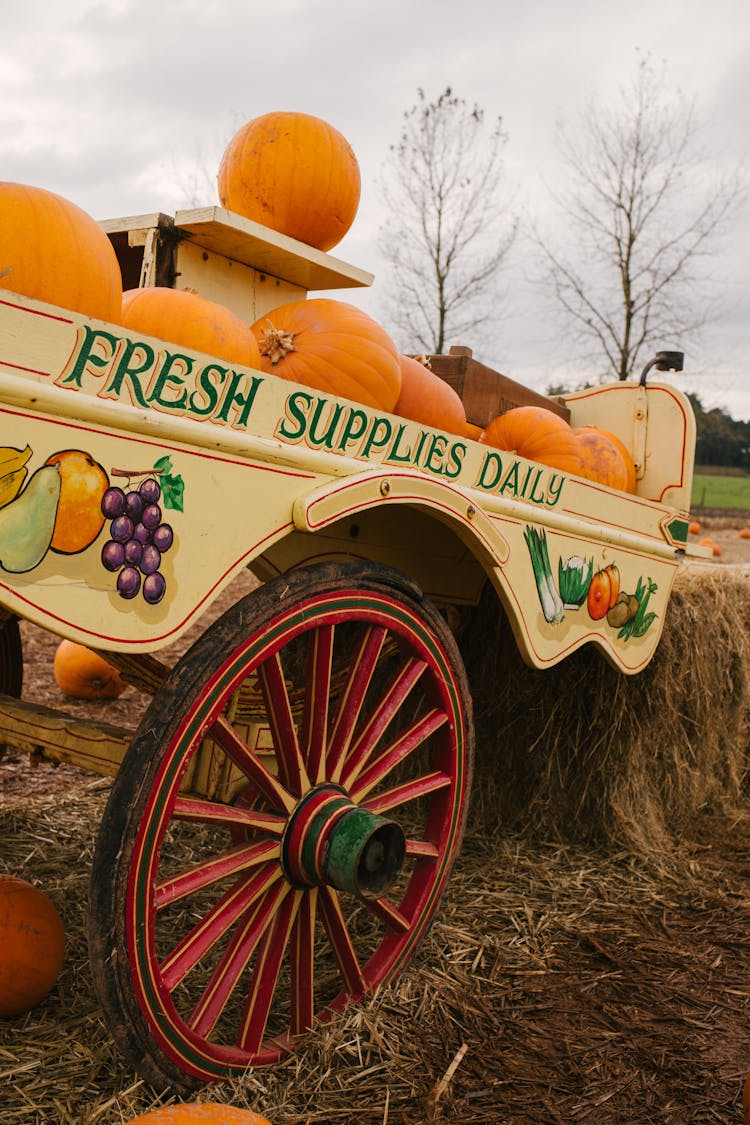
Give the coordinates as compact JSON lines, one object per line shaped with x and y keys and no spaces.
{"x":283,"y":821}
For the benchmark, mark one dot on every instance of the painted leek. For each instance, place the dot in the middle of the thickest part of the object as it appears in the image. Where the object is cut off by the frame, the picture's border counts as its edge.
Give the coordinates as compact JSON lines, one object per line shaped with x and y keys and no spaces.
{"x":551,"y":603}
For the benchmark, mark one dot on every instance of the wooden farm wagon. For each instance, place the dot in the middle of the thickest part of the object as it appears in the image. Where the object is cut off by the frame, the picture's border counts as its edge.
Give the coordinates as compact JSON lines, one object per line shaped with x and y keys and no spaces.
{"x":283,"y":821}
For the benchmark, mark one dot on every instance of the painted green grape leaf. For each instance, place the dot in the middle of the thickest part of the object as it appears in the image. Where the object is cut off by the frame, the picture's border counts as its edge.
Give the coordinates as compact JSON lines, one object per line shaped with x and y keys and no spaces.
{"x":172,"y":484}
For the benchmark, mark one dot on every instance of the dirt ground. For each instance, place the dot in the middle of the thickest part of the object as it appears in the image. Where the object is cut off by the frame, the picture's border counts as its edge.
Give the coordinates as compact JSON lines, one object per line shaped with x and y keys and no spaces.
{"x":599,"y":991}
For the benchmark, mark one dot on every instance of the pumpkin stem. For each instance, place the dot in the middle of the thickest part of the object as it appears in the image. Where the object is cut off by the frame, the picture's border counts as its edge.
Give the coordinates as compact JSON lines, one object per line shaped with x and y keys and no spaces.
{"x":275,"y":343}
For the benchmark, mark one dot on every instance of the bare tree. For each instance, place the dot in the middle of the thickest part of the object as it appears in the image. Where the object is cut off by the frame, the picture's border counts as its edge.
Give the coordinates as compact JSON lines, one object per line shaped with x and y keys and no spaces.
{"x":448,"y":228}
{"x":642,"y":216}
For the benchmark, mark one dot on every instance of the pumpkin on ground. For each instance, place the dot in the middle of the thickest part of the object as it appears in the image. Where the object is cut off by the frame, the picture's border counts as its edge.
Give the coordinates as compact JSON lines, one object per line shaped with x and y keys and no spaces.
{"x":605,"y":458}
{"x":294,"y":173}
{"x":203,"y":1113}
{"x":52,"y":250}
{"x":745,"y":533}
{"x":694,"y":528}
{"x":537,"y":434}
{"x":83,"y":674}
{"x":181,"y":316}
{"x":32,"y":945}
{"x":331,"y":346}
{"x":427,"y":398}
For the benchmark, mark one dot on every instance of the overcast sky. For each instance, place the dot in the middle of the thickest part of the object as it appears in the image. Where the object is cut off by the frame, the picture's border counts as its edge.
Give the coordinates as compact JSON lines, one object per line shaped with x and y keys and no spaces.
{"x":125,"y":106}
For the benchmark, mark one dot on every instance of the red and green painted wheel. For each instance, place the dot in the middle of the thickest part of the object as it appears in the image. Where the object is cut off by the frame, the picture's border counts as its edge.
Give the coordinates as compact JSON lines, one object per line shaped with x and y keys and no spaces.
{"x":222,"y":932}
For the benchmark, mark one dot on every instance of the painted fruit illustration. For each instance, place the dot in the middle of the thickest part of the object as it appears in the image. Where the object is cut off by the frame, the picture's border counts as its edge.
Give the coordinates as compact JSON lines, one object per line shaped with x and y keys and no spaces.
{"x":13,"y":472}
{"x":83,"y":482}
{"x":603,"y":592}
{"x":28,"y":522}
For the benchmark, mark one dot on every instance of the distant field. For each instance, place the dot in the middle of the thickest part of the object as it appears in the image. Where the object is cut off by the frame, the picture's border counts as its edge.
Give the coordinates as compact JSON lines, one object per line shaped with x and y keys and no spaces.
{"x":714,"y":490}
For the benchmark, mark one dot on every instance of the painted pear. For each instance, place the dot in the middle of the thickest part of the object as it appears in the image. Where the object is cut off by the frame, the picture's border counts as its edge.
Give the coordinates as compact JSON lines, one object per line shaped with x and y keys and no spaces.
{"x":27,"y":523}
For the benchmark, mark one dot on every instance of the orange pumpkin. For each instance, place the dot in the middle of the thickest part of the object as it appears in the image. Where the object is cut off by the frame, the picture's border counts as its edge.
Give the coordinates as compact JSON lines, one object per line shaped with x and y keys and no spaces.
{"x":746,"y":1098}
{"x":745,"y":533}
{"x":83,"y":674}
{"x":183,"y":317}
{"x":537,"y":434}
{"x":694,"y":527}
{"x":53,"y":251}
{"x":472,"y":431}
{"x":605,"y":458}
{"x":293,"y":173}
{"x":333,"y":347}
{"x":203,"y":1113}
{"x":32,"y":945}
{"x":427,"y":398}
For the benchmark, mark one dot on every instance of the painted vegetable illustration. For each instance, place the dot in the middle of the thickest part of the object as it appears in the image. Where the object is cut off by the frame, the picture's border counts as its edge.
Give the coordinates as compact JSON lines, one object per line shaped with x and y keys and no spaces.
{"x":549,"y":598}
{"x":603,"y":592}
{"x":630,"y":613}
{"x":573,"y":580}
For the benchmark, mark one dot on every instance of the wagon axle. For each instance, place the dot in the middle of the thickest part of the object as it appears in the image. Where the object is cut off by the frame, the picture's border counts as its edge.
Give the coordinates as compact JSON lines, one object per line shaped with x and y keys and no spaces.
{"x":330,"y":840}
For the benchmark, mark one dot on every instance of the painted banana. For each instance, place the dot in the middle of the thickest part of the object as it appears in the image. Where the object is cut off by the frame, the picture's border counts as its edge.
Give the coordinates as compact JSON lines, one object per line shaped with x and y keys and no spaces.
{"x":13,"y":472}
{"x":27,"y":523}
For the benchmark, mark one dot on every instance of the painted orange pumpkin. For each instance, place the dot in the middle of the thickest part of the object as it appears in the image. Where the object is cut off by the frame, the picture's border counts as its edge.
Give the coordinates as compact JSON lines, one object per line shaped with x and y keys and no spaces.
{"x":537,"y":434}
{"x":427,"y":398}
{"x":331,"y":346}
{"x":294,"y":173}
{"x":603,"y":590}
{"x":32,"y":945}
{"x":183,"y":317}
{"x":203,"y":1113}
{"x":52,"y":250}
{"x":605,"y":458}
{"x":83,"y":674}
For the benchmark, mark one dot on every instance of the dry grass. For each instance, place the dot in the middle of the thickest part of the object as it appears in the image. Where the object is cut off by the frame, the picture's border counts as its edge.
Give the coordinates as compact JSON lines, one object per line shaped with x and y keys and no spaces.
{"x":589,"y":963}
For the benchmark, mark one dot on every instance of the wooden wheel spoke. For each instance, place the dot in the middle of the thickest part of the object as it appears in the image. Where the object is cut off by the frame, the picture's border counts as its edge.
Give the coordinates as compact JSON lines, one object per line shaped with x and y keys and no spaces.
{"x":302,"y":953}
{"x":216,"y":923}
{"x":229,"y":816}
{"x":315,"y":720}
{"x":237,"y":956}
{"x":353,"y":697}
{"x":387,"y":913}
{"x":271,"y":950}
{"x":246,"y":760}
{"x":211,"y":870}
{"x":393,"y":698}
{"x":399,"y":749}
{"x":409,"y":791}
{"x":422,"y":849}
{"x":292,"y":770}
{"x":341,"y":942}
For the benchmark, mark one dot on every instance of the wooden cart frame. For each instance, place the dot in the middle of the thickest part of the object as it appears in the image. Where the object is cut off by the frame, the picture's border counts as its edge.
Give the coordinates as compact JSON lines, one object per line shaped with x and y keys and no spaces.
{"x":283,"y":822}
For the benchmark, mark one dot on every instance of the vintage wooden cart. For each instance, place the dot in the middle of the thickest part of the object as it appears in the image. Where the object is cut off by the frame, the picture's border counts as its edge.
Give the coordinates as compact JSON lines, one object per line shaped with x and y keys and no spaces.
{"x":283,"y":821}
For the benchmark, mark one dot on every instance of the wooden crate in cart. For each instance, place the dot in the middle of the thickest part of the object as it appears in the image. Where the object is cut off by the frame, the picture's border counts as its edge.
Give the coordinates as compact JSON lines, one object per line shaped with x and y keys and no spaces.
{"x":283,"y":821}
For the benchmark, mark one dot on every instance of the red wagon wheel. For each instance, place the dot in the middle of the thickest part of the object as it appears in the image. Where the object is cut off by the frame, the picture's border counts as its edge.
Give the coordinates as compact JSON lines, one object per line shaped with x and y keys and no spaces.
{"x":221,"y":933}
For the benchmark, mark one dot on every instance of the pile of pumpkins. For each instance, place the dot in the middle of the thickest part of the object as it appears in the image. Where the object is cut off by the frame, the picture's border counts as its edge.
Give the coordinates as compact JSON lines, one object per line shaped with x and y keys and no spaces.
{"x":296,"y":174}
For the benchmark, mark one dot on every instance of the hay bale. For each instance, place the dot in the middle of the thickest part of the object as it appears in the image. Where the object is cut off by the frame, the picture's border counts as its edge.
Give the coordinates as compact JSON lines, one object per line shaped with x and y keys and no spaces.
{"x":582,"y":753}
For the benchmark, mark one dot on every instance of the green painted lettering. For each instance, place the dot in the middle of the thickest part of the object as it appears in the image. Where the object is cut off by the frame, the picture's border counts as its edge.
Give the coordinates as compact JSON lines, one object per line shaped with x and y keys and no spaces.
{"x":295,"y":406}
{"x":457,"y":453}
{"x":510,"y":481}
{"x":554,"y":488}
{"x":529,"y":471}
{"x":354,"y":427}
{"x":207,"y":391}
{"x":532,"y":496}
{"x":395,"y":454}
{"x":383,"y":427}
{"x":491,"y":471}
{"x":86,"y":356}
{"x":438,"y":445}
{"x":136,"y":359}
{"x":233,"y":396}
{"x":328,"y":427}
{"x":166,"y":378}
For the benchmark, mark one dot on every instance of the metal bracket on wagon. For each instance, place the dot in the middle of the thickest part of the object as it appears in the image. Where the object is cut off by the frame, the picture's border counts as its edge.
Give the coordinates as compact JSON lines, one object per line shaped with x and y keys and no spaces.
{"x":344,"y":496}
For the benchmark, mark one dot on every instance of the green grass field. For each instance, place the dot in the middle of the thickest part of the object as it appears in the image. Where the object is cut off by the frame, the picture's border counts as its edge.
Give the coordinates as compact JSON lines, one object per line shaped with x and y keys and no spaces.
{"x":711,"y":490}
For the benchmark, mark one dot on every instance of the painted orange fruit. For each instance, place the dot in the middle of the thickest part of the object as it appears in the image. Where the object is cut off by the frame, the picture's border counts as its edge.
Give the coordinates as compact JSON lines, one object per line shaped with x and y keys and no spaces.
{"x":600,"y":592}
{"x":83,"y":482}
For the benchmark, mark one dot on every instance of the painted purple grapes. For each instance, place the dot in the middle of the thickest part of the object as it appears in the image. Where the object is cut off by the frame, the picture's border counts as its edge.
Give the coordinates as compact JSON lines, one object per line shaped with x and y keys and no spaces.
{"x":113,"y":503}
{"x":154,"y":588}
{"x":162,"y":537}
{"x":150,"y":491}
{"x":113,"y":555}
{"x":138,"y":538}
{"x":128,"y":582}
